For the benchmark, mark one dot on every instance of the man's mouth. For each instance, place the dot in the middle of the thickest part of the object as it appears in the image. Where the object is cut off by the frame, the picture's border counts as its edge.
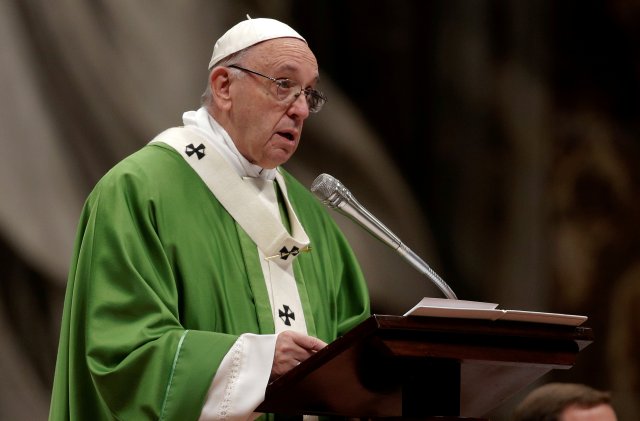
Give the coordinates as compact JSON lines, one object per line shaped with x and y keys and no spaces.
{"x":286,"y":135}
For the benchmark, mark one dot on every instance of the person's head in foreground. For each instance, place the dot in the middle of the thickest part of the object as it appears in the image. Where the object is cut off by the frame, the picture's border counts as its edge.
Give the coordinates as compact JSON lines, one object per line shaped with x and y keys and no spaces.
{"x":565,"y":402}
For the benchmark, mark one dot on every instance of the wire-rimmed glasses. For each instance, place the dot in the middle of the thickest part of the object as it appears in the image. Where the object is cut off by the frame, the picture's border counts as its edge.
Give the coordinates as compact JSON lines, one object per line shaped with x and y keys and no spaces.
{"x":288,"y":90}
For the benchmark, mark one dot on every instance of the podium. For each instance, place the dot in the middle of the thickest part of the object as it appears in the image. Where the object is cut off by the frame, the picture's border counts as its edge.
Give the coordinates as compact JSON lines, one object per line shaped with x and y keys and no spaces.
{"x":422,"y":367}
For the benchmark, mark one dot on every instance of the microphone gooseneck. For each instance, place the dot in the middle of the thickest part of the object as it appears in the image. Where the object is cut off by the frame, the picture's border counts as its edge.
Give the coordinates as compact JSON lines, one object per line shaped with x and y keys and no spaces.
{"x":335,"y":195}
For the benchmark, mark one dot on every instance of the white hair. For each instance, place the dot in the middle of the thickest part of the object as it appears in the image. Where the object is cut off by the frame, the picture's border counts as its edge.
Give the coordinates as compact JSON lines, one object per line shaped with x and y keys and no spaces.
{"x":206,"y":98}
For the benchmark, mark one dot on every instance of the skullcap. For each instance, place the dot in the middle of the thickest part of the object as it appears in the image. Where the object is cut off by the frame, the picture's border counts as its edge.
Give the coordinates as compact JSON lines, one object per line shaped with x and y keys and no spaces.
{"x":247,"y":33}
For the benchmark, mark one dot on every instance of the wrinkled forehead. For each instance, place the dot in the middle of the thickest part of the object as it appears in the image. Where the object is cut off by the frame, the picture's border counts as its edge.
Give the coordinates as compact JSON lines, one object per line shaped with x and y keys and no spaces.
{"x":282,"y":54}
{"x":282,"y":49}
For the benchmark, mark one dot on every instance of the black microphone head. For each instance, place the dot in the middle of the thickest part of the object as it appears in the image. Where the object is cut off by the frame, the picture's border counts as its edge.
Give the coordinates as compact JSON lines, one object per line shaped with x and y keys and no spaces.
{"x":324,"y":186}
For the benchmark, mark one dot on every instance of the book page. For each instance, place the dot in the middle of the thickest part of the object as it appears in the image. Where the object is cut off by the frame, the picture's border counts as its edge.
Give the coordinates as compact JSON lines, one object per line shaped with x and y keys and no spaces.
{"x":541,"y":317}
{"x":444,"y":307}
{"x":462,"y":309}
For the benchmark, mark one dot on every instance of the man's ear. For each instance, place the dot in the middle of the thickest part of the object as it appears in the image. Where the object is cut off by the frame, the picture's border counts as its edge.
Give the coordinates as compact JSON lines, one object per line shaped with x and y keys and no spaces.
{"x":220,"y":83}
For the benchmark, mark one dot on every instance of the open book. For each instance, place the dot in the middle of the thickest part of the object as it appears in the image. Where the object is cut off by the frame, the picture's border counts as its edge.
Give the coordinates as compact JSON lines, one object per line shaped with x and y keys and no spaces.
{"x":442,"y":307}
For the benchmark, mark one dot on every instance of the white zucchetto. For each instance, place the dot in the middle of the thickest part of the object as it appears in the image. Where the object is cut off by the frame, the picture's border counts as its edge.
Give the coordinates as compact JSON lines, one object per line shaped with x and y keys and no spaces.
{"x":247,"y":33}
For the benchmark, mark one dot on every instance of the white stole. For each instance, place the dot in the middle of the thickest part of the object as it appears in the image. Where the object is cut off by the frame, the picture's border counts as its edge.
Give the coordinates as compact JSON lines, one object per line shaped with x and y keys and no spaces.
{"x":253,"y":204}
{"x":240,"y":381}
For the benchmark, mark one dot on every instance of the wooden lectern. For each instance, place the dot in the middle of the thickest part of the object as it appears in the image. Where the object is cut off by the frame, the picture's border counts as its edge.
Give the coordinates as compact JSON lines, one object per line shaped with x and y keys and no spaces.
{"x":422,"y":367}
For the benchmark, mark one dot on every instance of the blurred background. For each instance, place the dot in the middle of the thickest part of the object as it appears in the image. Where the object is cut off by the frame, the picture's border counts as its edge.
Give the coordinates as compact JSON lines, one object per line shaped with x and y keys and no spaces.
{"x":498,"y":139}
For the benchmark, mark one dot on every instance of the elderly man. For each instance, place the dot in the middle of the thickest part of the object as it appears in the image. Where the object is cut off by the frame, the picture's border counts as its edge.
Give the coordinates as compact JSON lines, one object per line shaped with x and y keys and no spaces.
{"x":565,"y":402}
{"x":202,"y":269}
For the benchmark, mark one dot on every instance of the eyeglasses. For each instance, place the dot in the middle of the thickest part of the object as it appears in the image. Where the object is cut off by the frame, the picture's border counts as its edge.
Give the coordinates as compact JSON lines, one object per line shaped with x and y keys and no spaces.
{"x":288,"y":90}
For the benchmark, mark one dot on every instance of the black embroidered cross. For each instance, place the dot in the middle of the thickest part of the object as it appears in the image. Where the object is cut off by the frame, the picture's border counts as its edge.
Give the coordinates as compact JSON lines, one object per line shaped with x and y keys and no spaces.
{"x":284,"y":253}
{"x":199,"y":150}
{"x":286,"y":315}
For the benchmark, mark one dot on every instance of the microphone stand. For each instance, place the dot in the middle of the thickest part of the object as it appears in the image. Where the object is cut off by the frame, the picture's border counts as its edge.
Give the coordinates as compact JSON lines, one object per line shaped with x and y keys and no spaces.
{"x":333,"y":194}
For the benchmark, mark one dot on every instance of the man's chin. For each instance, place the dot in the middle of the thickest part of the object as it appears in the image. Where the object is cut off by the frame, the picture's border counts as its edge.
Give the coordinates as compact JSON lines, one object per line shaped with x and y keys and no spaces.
{"x":276,"y":159}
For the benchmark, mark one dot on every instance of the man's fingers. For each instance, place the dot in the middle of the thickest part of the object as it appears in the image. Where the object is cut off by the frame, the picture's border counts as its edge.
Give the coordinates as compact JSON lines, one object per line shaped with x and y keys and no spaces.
{"x":309,"y":342}
{"x":293,"y":348}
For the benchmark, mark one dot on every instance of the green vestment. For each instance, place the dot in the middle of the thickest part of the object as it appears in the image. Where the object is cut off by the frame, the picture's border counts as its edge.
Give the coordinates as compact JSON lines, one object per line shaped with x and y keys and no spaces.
{"x":163,"y":282}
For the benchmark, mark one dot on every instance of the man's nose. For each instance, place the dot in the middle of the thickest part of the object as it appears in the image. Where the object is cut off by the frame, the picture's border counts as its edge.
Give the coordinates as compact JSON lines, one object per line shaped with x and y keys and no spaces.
{"x":299,"y":107}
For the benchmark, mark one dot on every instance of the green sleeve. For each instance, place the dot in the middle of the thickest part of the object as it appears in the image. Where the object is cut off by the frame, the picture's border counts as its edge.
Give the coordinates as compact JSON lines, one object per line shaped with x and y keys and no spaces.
{"x":124,"y":316}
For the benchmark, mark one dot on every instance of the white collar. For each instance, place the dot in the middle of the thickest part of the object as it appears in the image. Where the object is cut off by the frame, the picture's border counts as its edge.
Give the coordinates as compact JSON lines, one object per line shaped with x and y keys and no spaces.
{"x":217,"y":136}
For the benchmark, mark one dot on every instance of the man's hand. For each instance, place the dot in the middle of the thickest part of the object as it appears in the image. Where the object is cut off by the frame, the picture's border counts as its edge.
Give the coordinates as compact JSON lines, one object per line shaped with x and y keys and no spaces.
{"x":291,"y":349}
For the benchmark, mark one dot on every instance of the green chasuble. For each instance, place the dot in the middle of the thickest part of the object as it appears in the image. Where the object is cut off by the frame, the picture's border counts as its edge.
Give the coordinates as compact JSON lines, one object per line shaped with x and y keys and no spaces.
{"x":163,"y":282}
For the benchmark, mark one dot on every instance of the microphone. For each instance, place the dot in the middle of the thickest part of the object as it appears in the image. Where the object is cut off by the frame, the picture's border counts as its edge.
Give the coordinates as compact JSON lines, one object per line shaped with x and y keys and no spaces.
{"x":333,"y":194}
